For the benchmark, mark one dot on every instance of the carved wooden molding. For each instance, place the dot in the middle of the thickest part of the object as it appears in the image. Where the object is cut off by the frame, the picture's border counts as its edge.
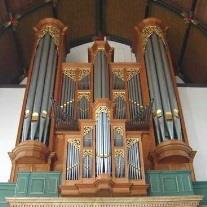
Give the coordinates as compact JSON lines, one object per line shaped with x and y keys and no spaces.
{"x":173,"y":151}
{"x":53,"y":27}
{"x":101,"y":45}
{"x":76,"y":71}
{"x":164,"y":201}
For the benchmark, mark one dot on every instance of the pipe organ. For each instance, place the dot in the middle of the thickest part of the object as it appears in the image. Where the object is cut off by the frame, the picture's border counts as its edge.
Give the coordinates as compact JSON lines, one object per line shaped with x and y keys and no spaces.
{"x":102,"y":124}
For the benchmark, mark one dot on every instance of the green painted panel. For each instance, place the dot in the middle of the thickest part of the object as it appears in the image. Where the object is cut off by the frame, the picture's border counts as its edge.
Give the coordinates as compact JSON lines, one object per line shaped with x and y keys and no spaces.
{"x":6,"y":190}
{"x":163,"y":183}
{"x":200,"y":188}
{"x":41,"y":184}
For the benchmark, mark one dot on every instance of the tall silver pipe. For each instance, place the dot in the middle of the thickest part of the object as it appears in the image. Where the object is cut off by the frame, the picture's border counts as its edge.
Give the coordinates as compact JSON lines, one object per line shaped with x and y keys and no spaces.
{"x":49,"y":103}
{"x":49,"y":78}
{"x":152,"y":78}
{"x":32,"y":88}
{"x":162,"y":84}
{"x":171,"y":91}
{"x":40,"y":85}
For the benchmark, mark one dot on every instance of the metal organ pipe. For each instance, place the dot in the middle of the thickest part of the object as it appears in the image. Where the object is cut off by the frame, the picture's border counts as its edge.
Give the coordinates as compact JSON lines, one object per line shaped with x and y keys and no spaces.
{"x":31,"y":93}
{"x":162,"y":86}
{"x":48,"y":106}
{"x":36,"y":122}
{"x":172,"y":97}
{"x":166,"y":119}
{"x":154,"y":92}
{"x":40,"y":86}
{"x":101,"y":76}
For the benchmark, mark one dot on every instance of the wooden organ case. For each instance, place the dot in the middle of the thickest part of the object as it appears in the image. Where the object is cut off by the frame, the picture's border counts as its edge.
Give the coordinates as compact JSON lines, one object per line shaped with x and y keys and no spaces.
{"x":107,"y":123}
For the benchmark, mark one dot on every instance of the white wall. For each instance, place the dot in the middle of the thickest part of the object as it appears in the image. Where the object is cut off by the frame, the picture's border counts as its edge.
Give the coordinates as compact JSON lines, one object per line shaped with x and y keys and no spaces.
{"x":122,"y":53}
{"x":194,"y":105}
{"x":10,"y":108}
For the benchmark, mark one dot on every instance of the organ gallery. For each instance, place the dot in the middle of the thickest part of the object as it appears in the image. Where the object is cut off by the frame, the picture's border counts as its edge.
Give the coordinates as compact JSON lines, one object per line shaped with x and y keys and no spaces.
{"x":103,"y":125}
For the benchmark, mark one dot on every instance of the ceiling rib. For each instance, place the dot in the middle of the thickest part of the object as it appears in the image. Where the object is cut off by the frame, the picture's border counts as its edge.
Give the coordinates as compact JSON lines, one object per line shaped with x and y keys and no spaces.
{"x":100,"y":17}
{"x":186,"y":37}
{"x":18,"y":47}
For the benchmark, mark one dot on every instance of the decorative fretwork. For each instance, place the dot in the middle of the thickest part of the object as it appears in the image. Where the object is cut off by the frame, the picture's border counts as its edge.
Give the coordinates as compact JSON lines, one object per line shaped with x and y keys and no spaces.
{"x":119,"y":94}
{"x":87,"y":152}
{"x":130,"y":73}
{"x":53,"y":31}
{"x":148,"y":31}
{"x":75,"y":142}
{"x":119,"y":130}
{"x":118,"y":152}
{"x":119,"y":74}
{"x":76,"y":71}
{"x":85,"y":94}
{"x":87,"y":129}
{"x":71,"y":73}
{"x":102,"y":109}
{"x":131,"y":141}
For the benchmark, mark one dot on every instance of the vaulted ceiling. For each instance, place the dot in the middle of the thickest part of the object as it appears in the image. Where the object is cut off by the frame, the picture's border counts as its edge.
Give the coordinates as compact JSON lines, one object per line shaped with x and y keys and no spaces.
{"x":86,"y":19}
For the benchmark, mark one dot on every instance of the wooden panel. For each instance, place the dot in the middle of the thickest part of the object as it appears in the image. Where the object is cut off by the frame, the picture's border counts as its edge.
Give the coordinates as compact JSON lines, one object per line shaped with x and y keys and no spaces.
{"x":3,"y":13}
{"x":176,"y":31}
{"x":163,"y":183}
{"x":37,"y":184}
{"x":180,"y":4}
{"x":9,"y":63}
{"x":201,"y":11}
{"x":79,"y":16}
{"x":200,"y":188}
{"x":25,"y":30}
{"x":194,"y":64}
{"x":122,"y":16}
{"x":21,"y":5}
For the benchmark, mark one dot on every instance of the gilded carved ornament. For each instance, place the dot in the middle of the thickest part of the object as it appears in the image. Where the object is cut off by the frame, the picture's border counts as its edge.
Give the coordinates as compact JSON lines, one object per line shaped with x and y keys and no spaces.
{"x":70,"y":73}
{"x":119,"y":152}
{"x":76,"y":74}
{"x":119,"y":74}
{"x":130,"y":73}
{"x":87,"y":152}
{"x":53,"y":31}
{"x":148,"y":31}
{"x":119,"y":130}
{"x":87,"y":129}
{"x":75,"y":142}
{"x":82,"y":94}
{"x":131,"y":141}
{"x":102,"y":109}
{"x":117,"y":94}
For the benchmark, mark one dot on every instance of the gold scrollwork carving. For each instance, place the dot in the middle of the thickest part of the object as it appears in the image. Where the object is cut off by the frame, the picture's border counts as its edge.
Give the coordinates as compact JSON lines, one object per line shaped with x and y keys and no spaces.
{"x":119,"y":74}
{"x":130,"y":73}
{"x":119,"y":152}
{"x":119,"y":94}
{"x":53,"y":31}
{"x":75,"y":142}
{"x":148,"y":31}
{"x":131,"y":141}
{"x":70,"y":73}
{"x":87,"y":129}
{"x":119,"y":130}
{"x":103,"y":109}
{"x":83,"y":73}
{"x":82,"y":94}
{"x":87,"y":152}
